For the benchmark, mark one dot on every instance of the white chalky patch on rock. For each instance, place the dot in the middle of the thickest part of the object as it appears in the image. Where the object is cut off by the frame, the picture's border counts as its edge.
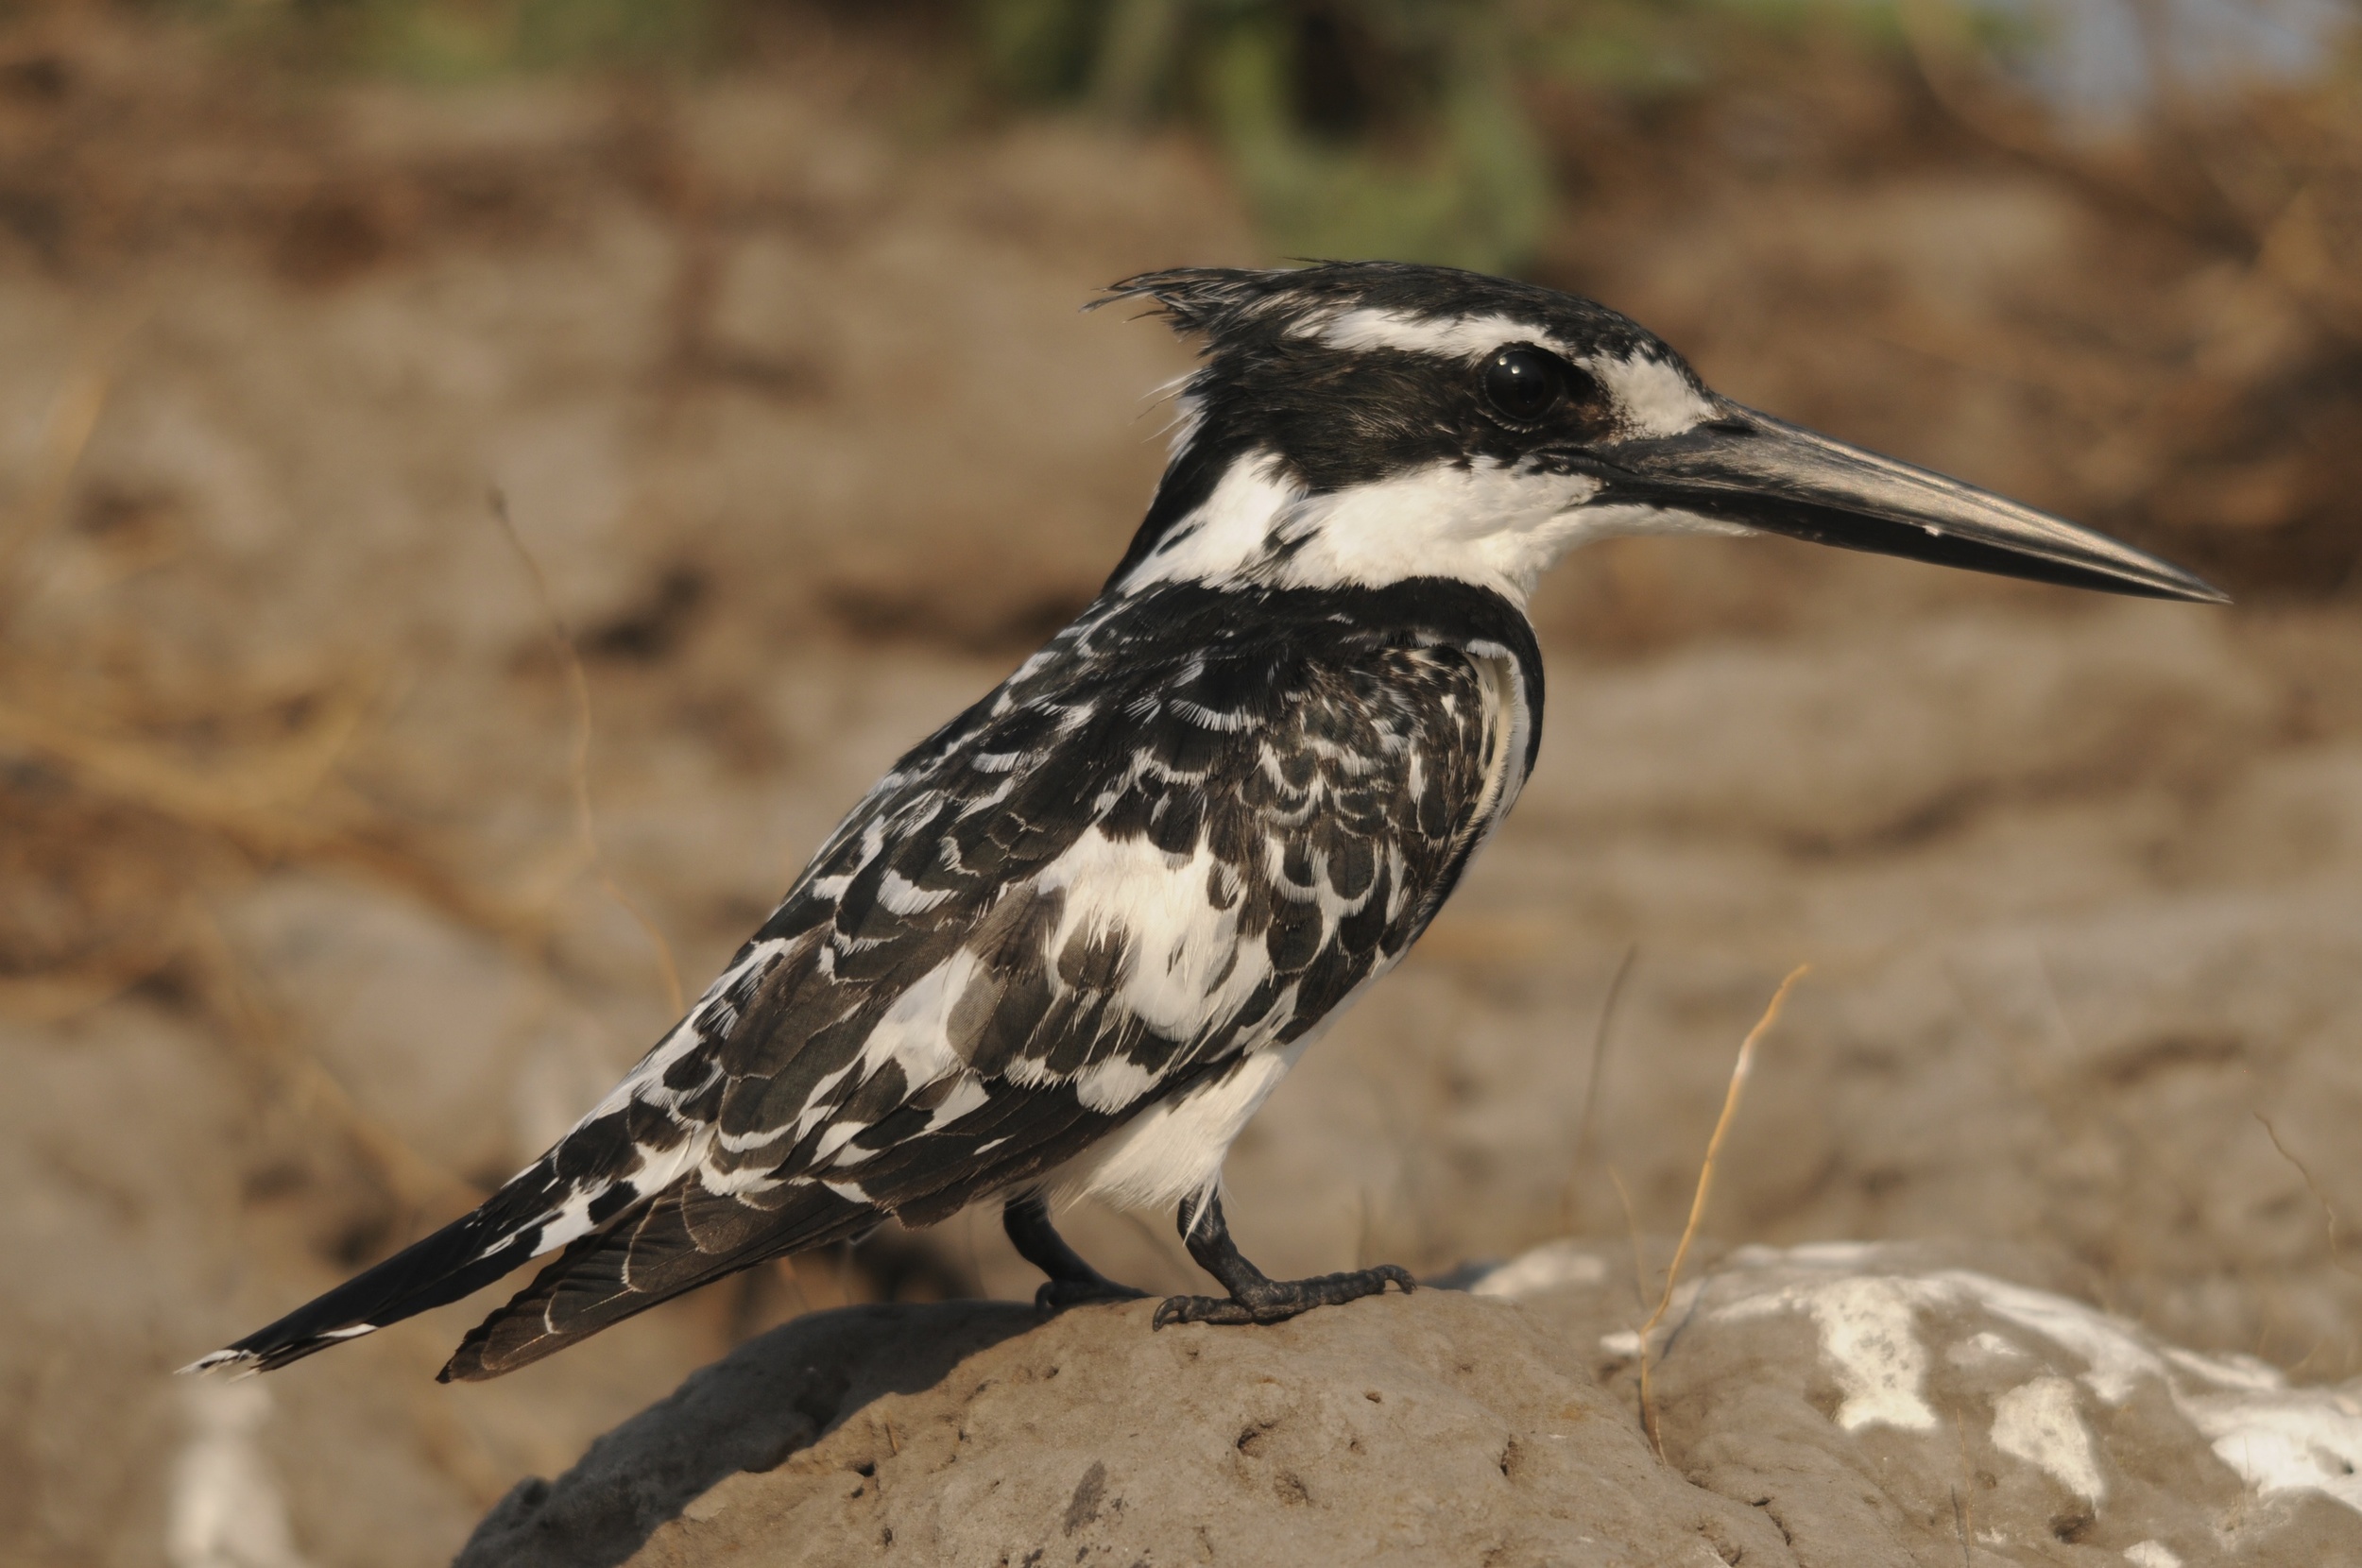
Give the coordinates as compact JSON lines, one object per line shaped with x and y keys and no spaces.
{"x":2114,"y":1355}
{"x":1809,"y":1254}
{"x":2151,"y":1554}
{"x":1980,"y":1348}
{"x":1550,"y":1267}
{"x":2285,"y":1440}
{"x":1626,"y":1343}
{"x":2038,"y":1423}
{"x":2229,"y":1371}
{"x":1869,"y":1336}
{"x":2274,"y":1437}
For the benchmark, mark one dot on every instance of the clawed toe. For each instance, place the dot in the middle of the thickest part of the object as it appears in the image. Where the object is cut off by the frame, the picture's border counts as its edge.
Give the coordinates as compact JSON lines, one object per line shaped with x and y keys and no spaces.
{"x":1279,"y":1299}
{"x":1199,"y":1309}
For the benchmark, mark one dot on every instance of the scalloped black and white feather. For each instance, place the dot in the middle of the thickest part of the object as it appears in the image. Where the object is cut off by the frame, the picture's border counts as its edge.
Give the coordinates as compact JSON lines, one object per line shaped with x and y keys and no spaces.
{"x":1075,"y":936}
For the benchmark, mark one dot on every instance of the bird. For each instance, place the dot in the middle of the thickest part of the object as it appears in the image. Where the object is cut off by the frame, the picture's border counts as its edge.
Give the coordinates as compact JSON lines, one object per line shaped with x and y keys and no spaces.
{"x":1069,"y":943}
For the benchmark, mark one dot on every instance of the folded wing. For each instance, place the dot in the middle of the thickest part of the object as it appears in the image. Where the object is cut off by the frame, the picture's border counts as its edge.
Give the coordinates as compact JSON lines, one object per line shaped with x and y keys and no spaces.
{"x":1141,"y":858}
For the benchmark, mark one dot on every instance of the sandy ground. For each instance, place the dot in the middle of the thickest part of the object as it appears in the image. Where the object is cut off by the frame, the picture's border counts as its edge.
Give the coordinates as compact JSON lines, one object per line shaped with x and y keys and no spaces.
{"x":781,"y":384}
{"x":1837,"y":1404}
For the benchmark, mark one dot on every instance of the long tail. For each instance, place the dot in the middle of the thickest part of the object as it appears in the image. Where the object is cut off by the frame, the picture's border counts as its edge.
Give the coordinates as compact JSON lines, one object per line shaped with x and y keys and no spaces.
{"x":641,"y":1250}
{"x":686,"y":1238}
{"x":639,"y":1231}
{"x":465,"y":1256}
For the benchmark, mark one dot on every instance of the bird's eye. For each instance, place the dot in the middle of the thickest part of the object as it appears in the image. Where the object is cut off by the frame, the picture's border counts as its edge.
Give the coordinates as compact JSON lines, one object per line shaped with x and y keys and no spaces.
{"x":1522,"y":383}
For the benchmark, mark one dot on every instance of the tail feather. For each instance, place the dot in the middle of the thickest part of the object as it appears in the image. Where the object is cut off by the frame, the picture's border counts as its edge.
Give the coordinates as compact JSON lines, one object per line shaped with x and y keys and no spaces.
{"x":688,"y":1237}
{"x":639,"y":1234}
{"x":465,"y":1256}
{"x":685,"y":1238}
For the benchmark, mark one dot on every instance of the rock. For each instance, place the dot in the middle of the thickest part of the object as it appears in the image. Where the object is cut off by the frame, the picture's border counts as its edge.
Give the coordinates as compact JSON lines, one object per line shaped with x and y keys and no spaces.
{"x":1438,"y":1427}
{"x":1885,"y":1404}
{"x":1824,"y":1407}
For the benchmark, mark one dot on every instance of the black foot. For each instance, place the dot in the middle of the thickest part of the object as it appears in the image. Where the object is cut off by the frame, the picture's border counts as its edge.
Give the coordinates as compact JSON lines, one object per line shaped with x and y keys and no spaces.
{"x":1280,"y":1300}
{"x":1071,"y":1282}
{"x":1255,"y":1298}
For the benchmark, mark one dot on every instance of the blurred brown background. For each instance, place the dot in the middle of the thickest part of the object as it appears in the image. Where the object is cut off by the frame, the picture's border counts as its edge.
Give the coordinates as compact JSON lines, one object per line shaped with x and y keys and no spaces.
{"x":758,"y":324}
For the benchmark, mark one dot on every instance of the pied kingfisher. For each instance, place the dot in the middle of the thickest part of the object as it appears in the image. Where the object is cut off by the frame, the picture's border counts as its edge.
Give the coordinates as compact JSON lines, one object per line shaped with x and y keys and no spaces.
{"x":1075,"y":936}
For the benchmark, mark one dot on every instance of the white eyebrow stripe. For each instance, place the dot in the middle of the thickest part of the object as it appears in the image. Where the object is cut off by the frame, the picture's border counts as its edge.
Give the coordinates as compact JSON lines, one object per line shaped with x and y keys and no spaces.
{"x":1460,"y":336}
{"x":1653,"y":398}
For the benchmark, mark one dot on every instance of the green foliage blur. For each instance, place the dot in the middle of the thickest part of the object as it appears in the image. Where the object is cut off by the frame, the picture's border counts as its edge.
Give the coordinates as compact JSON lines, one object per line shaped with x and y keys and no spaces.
{"x":1395,"y":128}
{"x":1355,"y":128}
{"x":1399,"y":128}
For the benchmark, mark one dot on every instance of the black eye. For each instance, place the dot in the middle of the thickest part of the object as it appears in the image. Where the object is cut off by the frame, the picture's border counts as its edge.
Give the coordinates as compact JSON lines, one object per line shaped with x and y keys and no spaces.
{"x":1523,"y":384}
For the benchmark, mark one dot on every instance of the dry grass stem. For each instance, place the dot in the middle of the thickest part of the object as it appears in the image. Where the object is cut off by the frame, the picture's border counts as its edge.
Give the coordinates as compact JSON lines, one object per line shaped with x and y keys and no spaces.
{"x":266,"y":801}
{"x":2329,"y":1213}
{"x":246,"y":799}
{"x":1632,"y":1228}
{"x":1963,"y":1505}
{"x":1602,"y":1034}
{"x":585,"y":820}
{"x":1706,"y":1189}
{"x":65,"y":434}
{"x":51,"y":997}
{"x":417,"y":1181}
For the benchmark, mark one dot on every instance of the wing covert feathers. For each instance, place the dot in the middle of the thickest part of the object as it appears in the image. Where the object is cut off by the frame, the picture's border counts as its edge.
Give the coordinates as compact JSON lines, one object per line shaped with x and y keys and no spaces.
{"x":1180,"y":834}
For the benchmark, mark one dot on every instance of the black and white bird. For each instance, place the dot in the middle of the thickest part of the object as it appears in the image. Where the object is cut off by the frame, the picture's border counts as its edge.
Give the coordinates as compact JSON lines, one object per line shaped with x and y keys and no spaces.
{"x":1074,"y":938}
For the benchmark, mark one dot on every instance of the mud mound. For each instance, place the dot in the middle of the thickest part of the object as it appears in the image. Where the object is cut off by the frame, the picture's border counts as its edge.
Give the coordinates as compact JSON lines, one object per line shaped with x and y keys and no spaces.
{"x":1824,"y":1407}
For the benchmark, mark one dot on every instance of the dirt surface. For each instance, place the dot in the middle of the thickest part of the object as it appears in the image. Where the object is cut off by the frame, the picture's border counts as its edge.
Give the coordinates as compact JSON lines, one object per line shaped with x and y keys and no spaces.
{"x":1828,"y":1406}
{"x":1401,"y":1435}
{"x":780,"y":382}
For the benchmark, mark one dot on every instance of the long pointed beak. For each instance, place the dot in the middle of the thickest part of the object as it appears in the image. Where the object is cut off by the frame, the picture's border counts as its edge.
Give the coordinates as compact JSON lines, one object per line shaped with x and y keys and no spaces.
{"x":1750,"y":469}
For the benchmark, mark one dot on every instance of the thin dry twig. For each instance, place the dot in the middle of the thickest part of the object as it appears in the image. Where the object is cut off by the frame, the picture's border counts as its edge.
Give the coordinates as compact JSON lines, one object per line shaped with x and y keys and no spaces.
{"x":585,"y":820}
{"x":246,"y":798}
{"x":1706,"y":1189}
{"x":260,"y":801}
{"x":2329,"y":1213}
{"x":417,"y":1183}
{"x":47,"y":999}
{"x":1602,"y":1034}
{"x":1632,"y":1228}
{"x":65,"y":435}
{"x":1963,"y":1507}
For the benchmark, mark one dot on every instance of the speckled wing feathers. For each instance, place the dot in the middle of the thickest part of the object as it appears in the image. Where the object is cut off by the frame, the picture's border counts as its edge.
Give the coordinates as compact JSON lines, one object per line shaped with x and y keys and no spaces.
{"x":1181,"y":833}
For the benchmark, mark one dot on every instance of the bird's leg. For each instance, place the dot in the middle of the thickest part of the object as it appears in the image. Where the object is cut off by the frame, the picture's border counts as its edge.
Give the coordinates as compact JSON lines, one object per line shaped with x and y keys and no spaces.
{"x":1071,"y":1281}
{"x":1255,"y":1298}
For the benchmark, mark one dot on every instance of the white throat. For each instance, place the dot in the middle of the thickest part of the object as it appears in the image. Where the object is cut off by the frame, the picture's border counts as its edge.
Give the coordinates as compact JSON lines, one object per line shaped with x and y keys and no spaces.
{"x":1483,"y":523}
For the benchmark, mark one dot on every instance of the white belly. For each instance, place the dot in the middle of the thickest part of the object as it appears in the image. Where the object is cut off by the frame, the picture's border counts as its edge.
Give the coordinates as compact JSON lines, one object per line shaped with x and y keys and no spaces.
{"x":1175,"y":1149}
